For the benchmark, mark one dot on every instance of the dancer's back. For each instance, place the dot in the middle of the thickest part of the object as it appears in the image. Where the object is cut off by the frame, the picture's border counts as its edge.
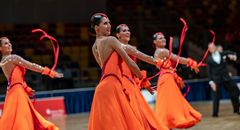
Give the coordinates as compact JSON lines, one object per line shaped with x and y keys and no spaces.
{"x":110,"y":107}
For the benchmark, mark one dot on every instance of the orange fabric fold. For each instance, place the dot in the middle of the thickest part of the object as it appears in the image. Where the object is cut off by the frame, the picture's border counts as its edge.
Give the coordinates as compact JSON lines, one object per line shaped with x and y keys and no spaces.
{"x":18,"y":111}
{"x":171,"y":106}
{"x":111,"y":107}
{"x":140,"y":106}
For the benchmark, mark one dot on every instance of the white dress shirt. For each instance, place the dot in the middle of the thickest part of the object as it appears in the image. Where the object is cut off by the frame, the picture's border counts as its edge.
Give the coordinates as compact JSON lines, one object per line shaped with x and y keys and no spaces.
{"x":216,"y":57}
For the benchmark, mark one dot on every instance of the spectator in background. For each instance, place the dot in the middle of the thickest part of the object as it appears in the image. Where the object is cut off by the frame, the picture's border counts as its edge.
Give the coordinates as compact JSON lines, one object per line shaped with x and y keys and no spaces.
{"x":219,"y":48}
{"x":218,"y":75}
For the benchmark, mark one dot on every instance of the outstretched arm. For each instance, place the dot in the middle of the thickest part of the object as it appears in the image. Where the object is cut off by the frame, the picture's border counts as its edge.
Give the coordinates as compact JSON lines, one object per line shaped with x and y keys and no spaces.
{"x":134,"y":52}
{"x":31,"y":66}
{"x":230,"y":54}
{"x":26,"y":64}
{"x":164,"y":53}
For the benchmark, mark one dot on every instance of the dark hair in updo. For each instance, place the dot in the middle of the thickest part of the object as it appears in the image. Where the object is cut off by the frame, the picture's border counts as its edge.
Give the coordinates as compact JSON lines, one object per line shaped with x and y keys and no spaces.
{"x":156,"y":34}
{"x":155,"y":37}
{"x":118,"y":28}
{"x":96,"y":20}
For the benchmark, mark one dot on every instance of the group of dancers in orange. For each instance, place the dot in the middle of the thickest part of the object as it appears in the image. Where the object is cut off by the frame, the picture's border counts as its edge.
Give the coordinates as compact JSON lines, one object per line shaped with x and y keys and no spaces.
{"x":118,"y":103}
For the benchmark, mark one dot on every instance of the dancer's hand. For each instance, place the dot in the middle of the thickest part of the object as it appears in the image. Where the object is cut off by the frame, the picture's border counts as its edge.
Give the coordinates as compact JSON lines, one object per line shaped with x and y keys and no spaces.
{"x":147,"y":85}
{"x":29,"y":90}
{"x":33,"y":92}
{"x":136,"y":80}
{"x":193,"y":65}
{"x":144,"y":82}
{"x":213,"y":85}
{"x":58,"y":75}
{"x":179,"y":81}
{"x":196,"y":69}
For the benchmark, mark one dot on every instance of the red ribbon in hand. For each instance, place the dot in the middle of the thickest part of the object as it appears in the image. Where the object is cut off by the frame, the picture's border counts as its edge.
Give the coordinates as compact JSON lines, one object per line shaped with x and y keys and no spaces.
{"x":206,"y":53}
{"x":55,"y":46}
{"x":184,"y":30}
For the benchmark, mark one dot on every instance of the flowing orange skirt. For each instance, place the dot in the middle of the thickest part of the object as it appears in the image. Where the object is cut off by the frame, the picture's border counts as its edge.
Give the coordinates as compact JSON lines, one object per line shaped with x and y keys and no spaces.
{"x":111,"y":108}
{"x":141,"y":108}
{"x":171,"y":106}
{"x":19,"y":113}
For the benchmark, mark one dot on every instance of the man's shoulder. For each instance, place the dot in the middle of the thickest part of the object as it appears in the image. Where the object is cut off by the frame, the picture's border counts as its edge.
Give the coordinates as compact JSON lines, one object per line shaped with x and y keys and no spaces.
{"x":209,"y":59}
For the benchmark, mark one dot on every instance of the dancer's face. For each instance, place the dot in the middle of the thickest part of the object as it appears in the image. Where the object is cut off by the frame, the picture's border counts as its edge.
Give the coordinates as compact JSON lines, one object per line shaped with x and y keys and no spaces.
{"x":6,"y":46}
{"x":160,"y":41}
{"x":124,"y":34}
{"x":104,"y":27}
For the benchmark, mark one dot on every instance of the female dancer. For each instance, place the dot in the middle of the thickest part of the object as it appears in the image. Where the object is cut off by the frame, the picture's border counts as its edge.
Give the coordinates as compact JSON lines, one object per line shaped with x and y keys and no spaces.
{"x":137,"y":101}
{"x":111,"y":109}
{"x":19,"y":112}
{"x":171,"y":107}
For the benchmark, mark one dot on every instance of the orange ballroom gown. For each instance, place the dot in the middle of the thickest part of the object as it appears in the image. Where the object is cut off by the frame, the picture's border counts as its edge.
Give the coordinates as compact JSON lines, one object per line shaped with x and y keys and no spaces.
{"x":171,"y":106}
{"x":141,"y":108}
{"x":111,"y":109}
{"x":18,"y":111}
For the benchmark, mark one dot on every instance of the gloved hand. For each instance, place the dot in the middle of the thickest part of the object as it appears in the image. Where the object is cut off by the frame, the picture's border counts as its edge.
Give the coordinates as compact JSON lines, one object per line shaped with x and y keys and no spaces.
{"x":179,"y":81}
{"x":192,"y":64}
{"x":147,"y":85}
{"x":144,"y":82}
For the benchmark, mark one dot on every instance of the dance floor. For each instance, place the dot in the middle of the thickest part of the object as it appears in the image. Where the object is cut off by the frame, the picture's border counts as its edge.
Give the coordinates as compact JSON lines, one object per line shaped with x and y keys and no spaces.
{"x":226,"y":120}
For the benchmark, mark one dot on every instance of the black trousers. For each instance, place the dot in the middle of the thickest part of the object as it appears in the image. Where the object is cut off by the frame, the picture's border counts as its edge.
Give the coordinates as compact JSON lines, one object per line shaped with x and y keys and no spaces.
{"x":234,"y":92}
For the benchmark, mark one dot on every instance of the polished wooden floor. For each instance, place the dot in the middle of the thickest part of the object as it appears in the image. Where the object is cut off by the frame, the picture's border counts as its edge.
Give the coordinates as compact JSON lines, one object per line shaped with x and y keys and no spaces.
{"x":226,"y":120}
